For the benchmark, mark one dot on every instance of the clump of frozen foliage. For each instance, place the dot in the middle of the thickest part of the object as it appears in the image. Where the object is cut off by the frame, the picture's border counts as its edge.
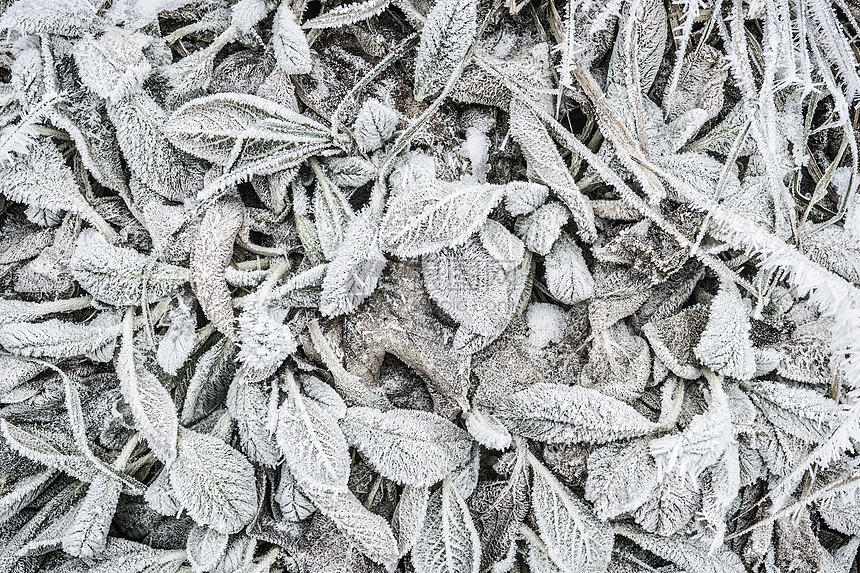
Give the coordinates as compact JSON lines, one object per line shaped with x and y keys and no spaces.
{"x":450,"y":286}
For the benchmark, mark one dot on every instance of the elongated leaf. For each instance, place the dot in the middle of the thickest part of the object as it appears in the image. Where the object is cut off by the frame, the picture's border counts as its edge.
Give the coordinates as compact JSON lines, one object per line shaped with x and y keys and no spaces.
{"x":210,"y":255}
{"x":555,"y":413}
{"x":213,"y":482}
{"x":347,"y":14}
{"x":151,"y":404}
{"x":429,"y":215}
{"x":370,"y":532}
{"x":116,"y":275}
{"x":55,"y":451}
{"x":449,"y":542}
{"x":407,"y":446}
{"x":63,"y":17}
{"x":24,"y":491}
{"x":690,"y":554}
{"x":249,"y":405}
{"x":42,"y":179}
{"x":60,"y":339}
{"x":725,"y":344}
{"x":246,"y":134}
{"x":87,"y":535}
{"x":205,"y":548}
{"x":312,"y":443}
{"x":209,"y":383}
{"x":291,"y":45}
{"x":575,"y":539}
{"x":408,"y":520}
{"x":621,"y":476}
{"x":448,"y":32}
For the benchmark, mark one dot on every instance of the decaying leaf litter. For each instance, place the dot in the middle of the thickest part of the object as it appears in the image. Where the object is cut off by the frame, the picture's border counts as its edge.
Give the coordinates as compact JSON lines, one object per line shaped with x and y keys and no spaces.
{"x":460,"y":286}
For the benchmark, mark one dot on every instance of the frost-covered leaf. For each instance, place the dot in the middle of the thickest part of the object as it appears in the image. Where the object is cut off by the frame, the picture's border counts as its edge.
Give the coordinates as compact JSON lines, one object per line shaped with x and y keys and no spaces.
{"x":42,"y":179}
{"x":177,"y":344}
{"x":540,"y":230}
{"x":24,"y":492}
{"x":502,"y":244}
{"x":213,"y":482}
{"x":265,"y":340}
{"x":291,"y":46}
{"x":370,"y":532}
{"x":249,"y":405}
{"x":113,"y":65}
{"x":649,"y":31}
{"x":124,"y":556}
{"x":347,"y":14}
{"x":449,"y":542}
{"x":523,"y":197}
{"x":205,"y":548}
{"x":555,"y":413}
{"x":350,"y":171}
{"x":688,"y":553}
{"x":567,"y":276}
{"x":473,"y":287}
{"x":62,"y":17}
{"x":428,"y":215}
{"x":246,"y":134}
{"x":355,"y":269}
{"x":87,"y":534}
{"x":448,"y":32}
{"x":841,"y":511}
{"x":295,"y":506}
{"x":408,"y":519}
{"x":52,"y":449}
{"x":547,"y":165}
{"x":312,"y":443}
{"x":499,"y":507}
{"x":332,"y":215}
{"x":407,"y":446}
{"x":486,"y":430}
{"x":209,"y":382}
{"x":211,"y":253}
{"x":120,"y":276}
{"x":151,"y":404}
{"x":575,"y":539}
{"x":620,"y":477}
{"x":725,"y":344}
{"x":374,"y":125}
{"x":140,"y":123}
{"x":318,"y":390}
{"x":60,"y":339}
{"x":798,"y":411}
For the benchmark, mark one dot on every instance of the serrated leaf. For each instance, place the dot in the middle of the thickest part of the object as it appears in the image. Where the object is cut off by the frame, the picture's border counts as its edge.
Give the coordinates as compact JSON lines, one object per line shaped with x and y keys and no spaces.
{"x":211,"y":253}
{"x":116,"y":276}
{"x":567,"y":276}
{"x":312,"y":443}
{"x":41,"y":179}
{"x":555,"y":413}
{"x":374,"y":125}
{"x":87,"y":534}
{"x":449,"y":542}
{"x":407,"y":446}
{"x":620,"y":477}
{"x":575,"y":539}
{"x":177,"y":344}
{"x":354,"y":271}
{"x":725,"y":344}
{"x":291,"y":46}
{"x":205,"y":548}
{"x":347,"y":14}
{"x":688,"y":553}
{"x":350,"y":171}
{"x":151,"y":404}
{"x":213,"y":482}
{"x":447,"y":35}
{"x":428,"y":215}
